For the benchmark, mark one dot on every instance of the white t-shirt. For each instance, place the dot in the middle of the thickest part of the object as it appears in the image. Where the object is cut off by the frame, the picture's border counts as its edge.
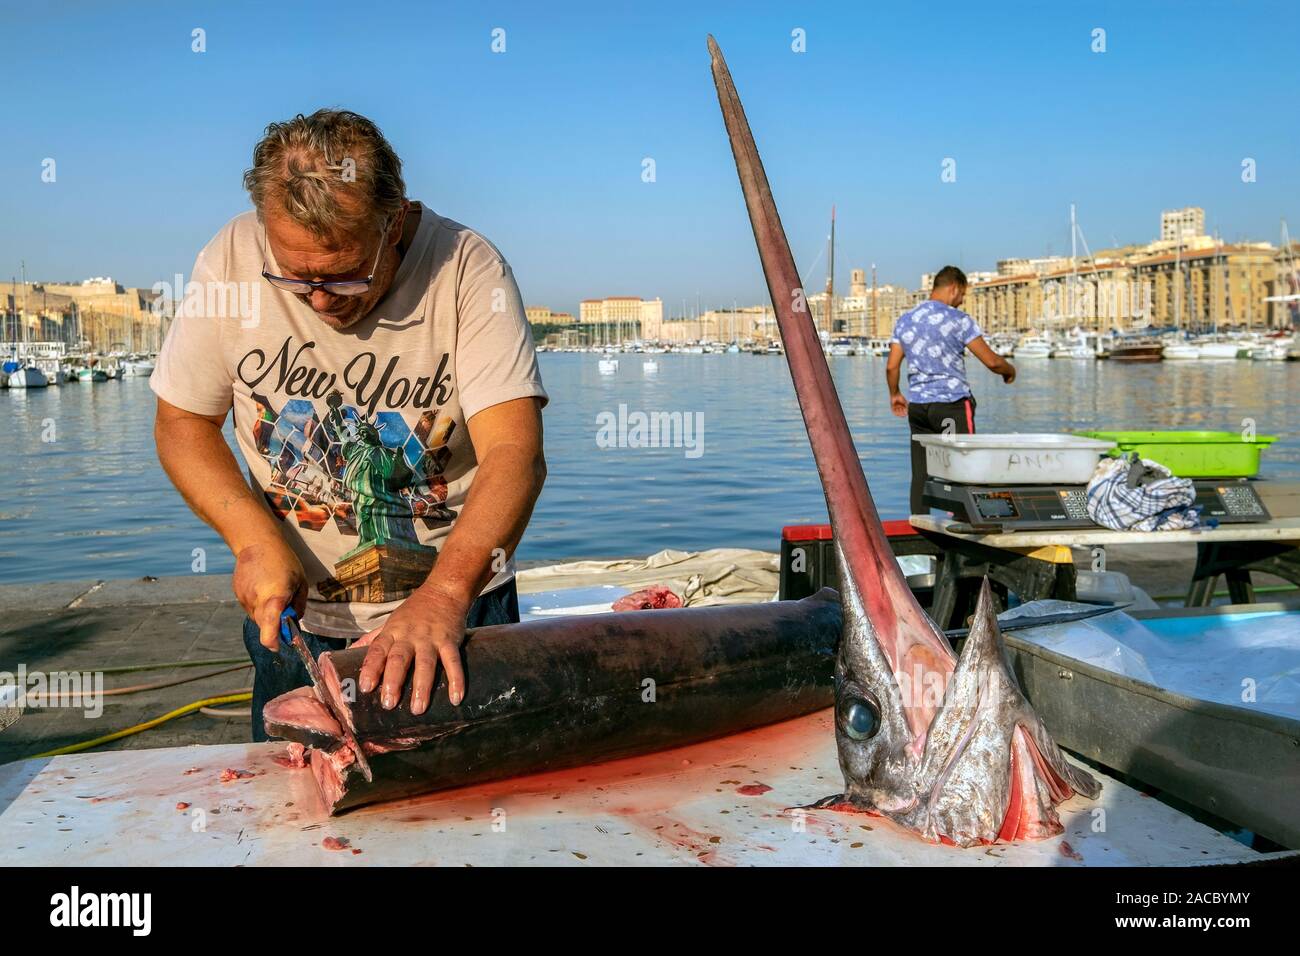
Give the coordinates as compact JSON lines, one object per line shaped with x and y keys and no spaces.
{"x":355,"y":438}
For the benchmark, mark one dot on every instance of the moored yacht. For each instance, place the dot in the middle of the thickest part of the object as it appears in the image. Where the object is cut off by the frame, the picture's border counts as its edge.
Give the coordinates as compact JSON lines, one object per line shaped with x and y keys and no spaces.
{"x":1032,"y":347}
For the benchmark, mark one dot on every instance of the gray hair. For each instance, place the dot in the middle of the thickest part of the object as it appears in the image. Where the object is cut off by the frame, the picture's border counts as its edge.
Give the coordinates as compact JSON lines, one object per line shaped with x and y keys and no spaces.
{"x":328,"y":171}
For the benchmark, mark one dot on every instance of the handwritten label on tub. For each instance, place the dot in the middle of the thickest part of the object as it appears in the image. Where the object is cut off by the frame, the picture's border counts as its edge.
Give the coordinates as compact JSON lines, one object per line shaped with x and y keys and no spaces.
{"x":1041,"y":461}
{"x":1016,"y":461}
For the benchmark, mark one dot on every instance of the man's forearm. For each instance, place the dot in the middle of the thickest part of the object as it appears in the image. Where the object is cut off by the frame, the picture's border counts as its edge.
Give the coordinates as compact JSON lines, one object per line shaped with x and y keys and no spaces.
{"x":891,"y":379}
{"x":489,"y":527}
{"x":204,"y":470}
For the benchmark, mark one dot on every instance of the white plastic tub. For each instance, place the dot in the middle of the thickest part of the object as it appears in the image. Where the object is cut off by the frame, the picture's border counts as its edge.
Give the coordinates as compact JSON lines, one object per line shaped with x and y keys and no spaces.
{"x":1016,"y":459}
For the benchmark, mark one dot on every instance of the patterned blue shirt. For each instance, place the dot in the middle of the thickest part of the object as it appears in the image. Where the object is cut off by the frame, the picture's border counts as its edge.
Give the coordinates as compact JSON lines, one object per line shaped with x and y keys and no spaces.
{"x":934,"y":338}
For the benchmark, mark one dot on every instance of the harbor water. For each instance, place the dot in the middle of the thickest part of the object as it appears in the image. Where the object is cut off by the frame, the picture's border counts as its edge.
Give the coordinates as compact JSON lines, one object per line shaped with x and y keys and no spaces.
{"x":727,"y":463}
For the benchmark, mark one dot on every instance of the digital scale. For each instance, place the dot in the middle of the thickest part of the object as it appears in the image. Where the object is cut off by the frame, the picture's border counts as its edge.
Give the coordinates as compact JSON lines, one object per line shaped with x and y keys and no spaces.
{"x":1037,"y":507}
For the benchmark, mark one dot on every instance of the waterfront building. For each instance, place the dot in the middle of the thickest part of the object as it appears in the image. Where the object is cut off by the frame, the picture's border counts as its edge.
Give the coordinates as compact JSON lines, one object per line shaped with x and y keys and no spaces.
{"x":1180,"y":225}
{"x":1202,"y":288}
{"x":630,"y":317}
{"x":100,"y":312}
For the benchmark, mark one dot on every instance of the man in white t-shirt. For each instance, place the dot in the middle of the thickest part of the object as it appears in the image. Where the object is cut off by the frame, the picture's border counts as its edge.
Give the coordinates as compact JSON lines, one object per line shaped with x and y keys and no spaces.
{"x":386,"y":400}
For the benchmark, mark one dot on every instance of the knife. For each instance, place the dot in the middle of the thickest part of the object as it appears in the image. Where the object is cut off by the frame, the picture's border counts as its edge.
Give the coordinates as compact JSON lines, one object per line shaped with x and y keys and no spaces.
{"x":292,"y":636}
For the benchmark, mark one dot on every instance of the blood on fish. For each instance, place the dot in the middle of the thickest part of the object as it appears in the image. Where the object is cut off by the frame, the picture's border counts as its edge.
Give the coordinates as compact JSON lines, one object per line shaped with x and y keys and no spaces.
{"x":647,"y":599}
{"x":1011,"y":820}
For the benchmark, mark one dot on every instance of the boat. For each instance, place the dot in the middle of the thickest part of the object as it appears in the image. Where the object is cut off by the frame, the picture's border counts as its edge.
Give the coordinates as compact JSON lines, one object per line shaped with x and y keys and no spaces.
{"x":91,"y":374}
{"x":1181,"y":351}
{"x":1218,"y":351}
{"x":1136,"y":350}
{"x":137,"y":368}
{"x":1273,"y":352}
{"x":1079,"y":351}
{"x":1276,"y":349}
{"x":649,"y":367}
{"x":1032,"y":347}
{"x":1084,"y":347}
{"x":25,"y":375}
{"x":607,"y":365}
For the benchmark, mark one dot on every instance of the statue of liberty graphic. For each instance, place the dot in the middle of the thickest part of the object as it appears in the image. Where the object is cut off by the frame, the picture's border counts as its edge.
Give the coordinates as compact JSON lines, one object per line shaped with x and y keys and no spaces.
{"x":375,"y":476}
{"x":388,"y":560}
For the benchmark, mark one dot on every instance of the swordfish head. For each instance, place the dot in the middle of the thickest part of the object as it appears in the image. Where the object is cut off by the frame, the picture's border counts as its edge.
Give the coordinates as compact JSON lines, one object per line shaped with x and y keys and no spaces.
{"x":946,"y":747}
{"x":960,"y":759}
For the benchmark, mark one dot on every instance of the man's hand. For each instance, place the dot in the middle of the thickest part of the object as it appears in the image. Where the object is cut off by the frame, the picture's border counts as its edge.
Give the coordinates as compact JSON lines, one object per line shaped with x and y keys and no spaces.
{"x":268,"y":579}
{"x":893,"y":370}
{"x":427,"y":628}
{"x":994,"y":362}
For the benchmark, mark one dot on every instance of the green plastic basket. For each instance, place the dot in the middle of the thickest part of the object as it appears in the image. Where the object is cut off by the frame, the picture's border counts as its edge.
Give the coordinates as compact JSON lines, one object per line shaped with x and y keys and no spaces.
{"x":1193,"y":454}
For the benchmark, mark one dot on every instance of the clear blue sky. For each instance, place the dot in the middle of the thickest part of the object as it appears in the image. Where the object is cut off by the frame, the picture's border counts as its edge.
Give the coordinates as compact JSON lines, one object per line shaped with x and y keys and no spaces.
{"x":540,"y":148}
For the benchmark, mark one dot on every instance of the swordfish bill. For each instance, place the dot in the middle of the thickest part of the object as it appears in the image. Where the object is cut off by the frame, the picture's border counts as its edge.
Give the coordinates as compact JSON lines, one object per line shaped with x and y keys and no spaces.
{"x":948,"y":748}
{"x":869,"y":575}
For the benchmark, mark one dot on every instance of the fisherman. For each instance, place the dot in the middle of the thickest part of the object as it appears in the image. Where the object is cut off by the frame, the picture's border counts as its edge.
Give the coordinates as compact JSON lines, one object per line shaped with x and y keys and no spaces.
{"x":934,"y":337}
{"x":373,"y":317}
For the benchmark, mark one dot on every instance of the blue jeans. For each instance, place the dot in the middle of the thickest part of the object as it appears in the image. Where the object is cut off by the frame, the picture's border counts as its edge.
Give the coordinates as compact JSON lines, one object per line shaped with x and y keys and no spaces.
{"x":280,"y":672}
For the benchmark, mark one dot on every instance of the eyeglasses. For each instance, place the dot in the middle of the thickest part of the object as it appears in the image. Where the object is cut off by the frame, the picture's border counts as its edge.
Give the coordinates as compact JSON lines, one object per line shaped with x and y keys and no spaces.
{"x":333,"y":287}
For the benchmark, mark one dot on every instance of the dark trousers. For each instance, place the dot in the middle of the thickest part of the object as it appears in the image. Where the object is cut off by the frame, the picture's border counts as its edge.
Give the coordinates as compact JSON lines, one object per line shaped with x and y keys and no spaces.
{"x":278,"y":673}
{"x":935,"y":418}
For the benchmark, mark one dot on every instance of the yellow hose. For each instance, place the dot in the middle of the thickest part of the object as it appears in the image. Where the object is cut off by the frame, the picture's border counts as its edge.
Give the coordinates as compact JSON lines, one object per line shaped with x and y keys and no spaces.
{"x":149,"y":724}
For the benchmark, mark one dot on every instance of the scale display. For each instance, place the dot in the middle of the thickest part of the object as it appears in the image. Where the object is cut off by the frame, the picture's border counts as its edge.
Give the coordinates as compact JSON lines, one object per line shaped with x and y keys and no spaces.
{"x":1035,"y":507}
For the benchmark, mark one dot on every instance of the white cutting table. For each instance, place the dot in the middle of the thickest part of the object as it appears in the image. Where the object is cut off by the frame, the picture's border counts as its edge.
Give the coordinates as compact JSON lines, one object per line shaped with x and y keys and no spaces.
{"x":684,"y":806}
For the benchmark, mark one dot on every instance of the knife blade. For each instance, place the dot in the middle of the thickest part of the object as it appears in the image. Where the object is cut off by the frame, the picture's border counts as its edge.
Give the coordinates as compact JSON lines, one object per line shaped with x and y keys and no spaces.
{"x":290,"y":634}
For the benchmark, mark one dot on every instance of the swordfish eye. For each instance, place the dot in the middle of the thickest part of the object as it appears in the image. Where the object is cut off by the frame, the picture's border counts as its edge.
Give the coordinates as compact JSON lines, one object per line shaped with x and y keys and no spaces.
{"x":860,"y":717}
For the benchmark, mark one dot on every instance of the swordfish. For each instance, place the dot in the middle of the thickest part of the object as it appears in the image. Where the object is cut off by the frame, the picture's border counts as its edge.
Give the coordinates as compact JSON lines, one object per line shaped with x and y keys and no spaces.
{"x":566,"y":692}
{"x":946,"y":747}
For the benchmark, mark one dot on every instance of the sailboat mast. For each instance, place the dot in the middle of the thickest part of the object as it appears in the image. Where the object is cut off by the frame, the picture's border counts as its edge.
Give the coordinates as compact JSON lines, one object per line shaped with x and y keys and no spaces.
{"x":1178,"y":274}
{"x":874,"y":304}
{"x":830,"y":279}
{"x":1074,"y":267}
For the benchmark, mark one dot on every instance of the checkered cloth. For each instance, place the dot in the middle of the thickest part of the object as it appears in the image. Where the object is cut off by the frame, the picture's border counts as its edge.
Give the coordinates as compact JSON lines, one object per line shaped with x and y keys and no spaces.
{"x":1162,"y":504}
